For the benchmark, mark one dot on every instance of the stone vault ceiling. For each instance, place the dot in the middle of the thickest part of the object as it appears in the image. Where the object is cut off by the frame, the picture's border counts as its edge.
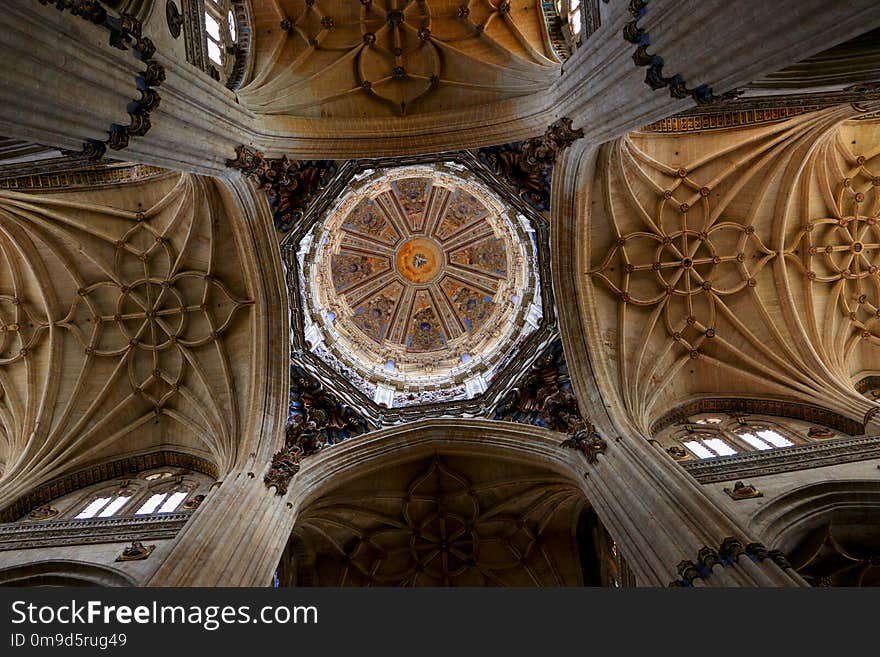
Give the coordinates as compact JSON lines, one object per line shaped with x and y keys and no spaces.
{"x":420,"y":282}
{"x":737,"y":263}
{"x":392,"y":57}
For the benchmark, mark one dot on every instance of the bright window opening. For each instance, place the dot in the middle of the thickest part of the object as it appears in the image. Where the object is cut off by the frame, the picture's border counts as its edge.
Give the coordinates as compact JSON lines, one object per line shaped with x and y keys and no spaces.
{"x":93,"y":508}
{"x":698,"y":449}
{"x":215,"y":53}
{"x":114,"y":506}
{"x":173,"y":502}
{"x":150,"y":505}
{"x":754,"y":441}
{"x":231,"y":19}
{"x":720,"y":447}
{"x":212,"y":26}
{"x":775,"y":438}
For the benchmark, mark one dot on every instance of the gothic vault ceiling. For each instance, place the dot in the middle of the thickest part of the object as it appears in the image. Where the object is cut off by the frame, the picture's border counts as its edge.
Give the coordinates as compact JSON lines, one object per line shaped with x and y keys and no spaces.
{"x":374,"y":58}
{"x":125,"y":324}
{"x":739,"y":263}
{"x":446,"y":521}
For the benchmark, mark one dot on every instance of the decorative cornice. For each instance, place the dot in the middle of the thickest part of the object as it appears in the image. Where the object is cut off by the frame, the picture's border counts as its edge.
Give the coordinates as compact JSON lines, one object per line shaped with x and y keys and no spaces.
{"x":757,"y":110}
{"x":54,"y":533}
{"x":125,"y":32}
{"x":527,"y":166}
{"x":727,"y":555}
{"x":194,"y":38}
{"x":654,"y":77}
{"x":785,"y":459}
{"x":290,"y":185}
{"x":82,"y":178}
{"x":726,"y":118}
{"x":61,"y":486}
{"x":747,"y":406}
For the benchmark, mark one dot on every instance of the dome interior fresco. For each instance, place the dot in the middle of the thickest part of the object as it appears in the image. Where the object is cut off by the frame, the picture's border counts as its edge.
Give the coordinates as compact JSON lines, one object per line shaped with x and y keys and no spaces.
{"x":420,"y":281}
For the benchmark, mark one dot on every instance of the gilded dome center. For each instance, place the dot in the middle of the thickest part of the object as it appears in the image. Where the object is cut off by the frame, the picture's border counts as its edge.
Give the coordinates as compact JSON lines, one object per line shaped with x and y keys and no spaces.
{"x":419,"y":260}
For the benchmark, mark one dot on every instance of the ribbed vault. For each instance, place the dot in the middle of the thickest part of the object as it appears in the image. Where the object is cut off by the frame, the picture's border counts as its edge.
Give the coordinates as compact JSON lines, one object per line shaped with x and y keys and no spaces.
{"x":739,"y":263}
{"x":126,"y":325}
{"x":390,"y":57}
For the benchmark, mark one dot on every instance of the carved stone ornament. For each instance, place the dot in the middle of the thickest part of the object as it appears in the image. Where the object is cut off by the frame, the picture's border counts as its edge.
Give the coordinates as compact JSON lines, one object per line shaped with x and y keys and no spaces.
{"x":125,"y":32}
{"x":42,"y":513}
{"x":727,"y":555}
{"x":677,"y":452}
{"x":654,"y":77}
{"x":174,"y":18}
{"x":588,"y":442}
{"x":317,"y":419}
{"x":741,"y":491}
{"x":193,"y":503}
{"x":137,"y":551}
{"x":290,"y":185}
{"x":527,"y":166}
{"x":301,"y":440}
{"x":544,"y":397}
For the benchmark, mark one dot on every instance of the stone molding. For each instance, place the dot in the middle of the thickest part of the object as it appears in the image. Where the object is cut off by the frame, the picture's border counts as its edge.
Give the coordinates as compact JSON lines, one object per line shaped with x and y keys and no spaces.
{"x":55,"y":533}
{"x":728,"y":554}
{"x":785,"y":459}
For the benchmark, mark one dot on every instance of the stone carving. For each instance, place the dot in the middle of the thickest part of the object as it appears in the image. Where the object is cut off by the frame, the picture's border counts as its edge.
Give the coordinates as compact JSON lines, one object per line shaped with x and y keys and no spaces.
{"x":741,"y":491}
{"x":193,"y":503}
{"x":677,"y":452}
{"x":527,"y":166}
{"x":173,"y":17}
{"x":727,"y":555}
{"x":290,"y":185}
{"x":125,"y":32}
{"x":544,"y":397}
{"x":316,"y":420}
{"x":654,"y":77}
{"x":137,"y":551}
{"x":588,"y":442}
{"x":820,"y":432}
{"x":42,"y":513}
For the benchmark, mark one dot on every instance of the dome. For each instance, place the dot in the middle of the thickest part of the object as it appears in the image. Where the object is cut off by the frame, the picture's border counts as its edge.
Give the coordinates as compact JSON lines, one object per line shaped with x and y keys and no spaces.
{"x":418,"y":283}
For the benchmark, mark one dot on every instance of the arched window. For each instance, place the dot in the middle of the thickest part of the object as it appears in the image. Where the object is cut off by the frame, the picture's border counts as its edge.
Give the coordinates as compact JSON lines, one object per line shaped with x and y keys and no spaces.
{"x":707,"y":445}
{"x":570,"y":11}
{"x":151,"y":492}
{"x":226,"y":36}
{"x":709,"y":435}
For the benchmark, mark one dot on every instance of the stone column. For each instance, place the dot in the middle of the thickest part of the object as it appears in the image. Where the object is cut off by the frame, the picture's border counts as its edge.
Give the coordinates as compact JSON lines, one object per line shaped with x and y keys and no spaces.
{"x":64,"y":84}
